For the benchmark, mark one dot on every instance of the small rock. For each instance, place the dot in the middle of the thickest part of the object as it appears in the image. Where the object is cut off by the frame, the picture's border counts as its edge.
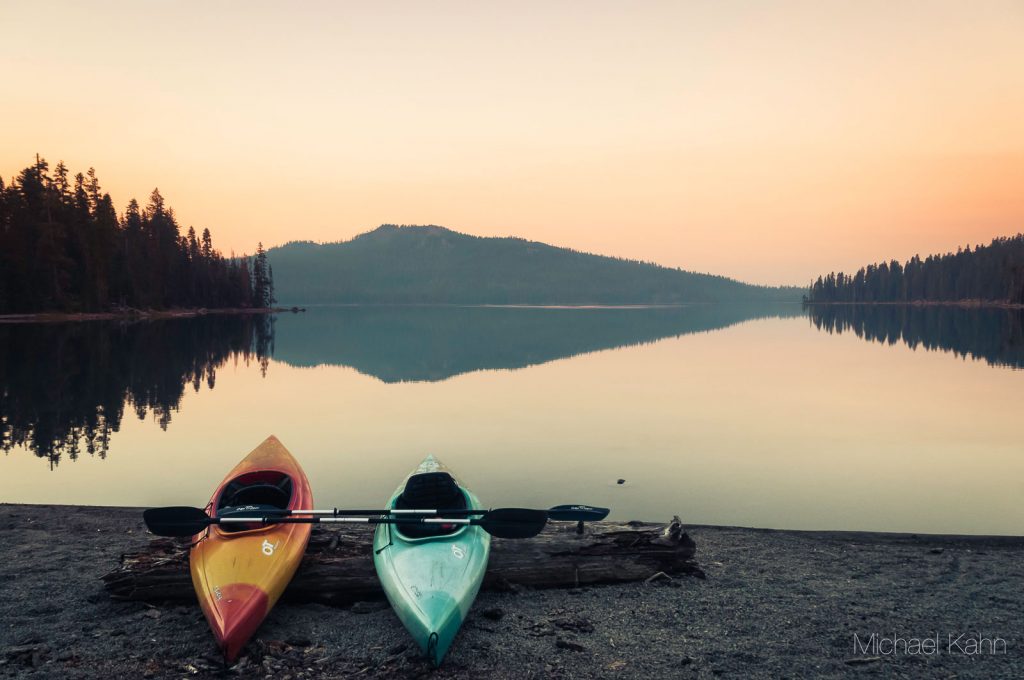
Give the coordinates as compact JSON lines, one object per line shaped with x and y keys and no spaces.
{"x":153,"y":613}
{"x":565,"y":644}
{"x":541,"y":629}
{"x":936,"y":551}
{"x":273,"y":648}
{"x":29,"y":654}
{"x":241,"y":666}
{"x":621,"y":481}
{"x":860,"y":660}
{"x":367,"y":607}
{"x":686,"y":661}
{"x":579,"y":625}
{"x":493,"y":614}
{"x":616,"y":665}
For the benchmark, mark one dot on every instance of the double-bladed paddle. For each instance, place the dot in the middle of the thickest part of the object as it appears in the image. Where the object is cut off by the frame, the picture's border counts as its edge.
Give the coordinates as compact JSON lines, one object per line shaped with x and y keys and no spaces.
{"x":502,"y":522}
{"x":560,"y":513}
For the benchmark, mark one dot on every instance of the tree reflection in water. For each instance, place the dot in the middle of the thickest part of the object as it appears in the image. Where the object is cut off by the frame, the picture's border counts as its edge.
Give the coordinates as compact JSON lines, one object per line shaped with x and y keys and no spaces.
{"x":992,"y":334}
{"x":64,"y":387}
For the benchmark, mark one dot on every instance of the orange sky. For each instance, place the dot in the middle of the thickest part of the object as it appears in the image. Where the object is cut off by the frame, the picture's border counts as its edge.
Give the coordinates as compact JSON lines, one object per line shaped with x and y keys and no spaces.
{"x":764,"y":141}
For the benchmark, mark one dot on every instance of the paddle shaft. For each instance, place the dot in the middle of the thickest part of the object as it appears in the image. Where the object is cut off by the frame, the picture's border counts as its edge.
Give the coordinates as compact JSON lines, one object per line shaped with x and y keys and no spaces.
{"x":187,"y":521}
{"x":343,"y":520}
{"x":395,"y":511}
{"x":570,"y":513}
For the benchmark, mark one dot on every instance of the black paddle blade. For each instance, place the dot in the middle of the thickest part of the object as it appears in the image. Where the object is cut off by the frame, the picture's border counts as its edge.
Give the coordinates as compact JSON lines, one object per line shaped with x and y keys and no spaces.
{"x":577,"y":513}
{"x":513,"y":522}
{"x":176,"y":521}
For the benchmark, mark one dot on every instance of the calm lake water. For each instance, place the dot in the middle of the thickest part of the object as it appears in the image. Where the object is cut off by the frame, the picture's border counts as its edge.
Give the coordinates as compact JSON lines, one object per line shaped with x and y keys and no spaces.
{"x":880,"y":418}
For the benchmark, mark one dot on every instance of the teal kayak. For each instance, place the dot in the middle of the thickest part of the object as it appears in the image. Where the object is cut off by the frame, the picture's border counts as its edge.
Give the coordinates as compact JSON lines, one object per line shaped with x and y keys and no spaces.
{"x":431,"y":573}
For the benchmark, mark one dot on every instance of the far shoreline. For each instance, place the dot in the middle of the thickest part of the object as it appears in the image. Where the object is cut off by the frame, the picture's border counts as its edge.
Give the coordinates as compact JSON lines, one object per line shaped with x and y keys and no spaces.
{"x":140,"y":314}
{"x":963,"y":304}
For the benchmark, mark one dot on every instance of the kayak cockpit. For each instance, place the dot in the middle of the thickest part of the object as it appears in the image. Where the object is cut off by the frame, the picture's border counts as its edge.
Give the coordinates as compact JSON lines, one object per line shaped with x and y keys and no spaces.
{"x":254,"y":493}
{"x":430,"y":491}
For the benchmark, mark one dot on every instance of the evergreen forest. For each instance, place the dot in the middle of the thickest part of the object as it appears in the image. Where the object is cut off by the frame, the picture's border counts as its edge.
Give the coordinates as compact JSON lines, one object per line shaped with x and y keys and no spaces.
{"x":987,"y":274}
{"x":64,"y":248}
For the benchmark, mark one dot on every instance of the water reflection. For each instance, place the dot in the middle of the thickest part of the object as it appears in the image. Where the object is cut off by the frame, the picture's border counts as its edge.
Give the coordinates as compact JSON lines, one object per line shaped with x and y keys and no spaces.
{"x":765,"y":423}
{"x":400,"y":344}
{"x":994,"y":335}
{"x":64,"y":388}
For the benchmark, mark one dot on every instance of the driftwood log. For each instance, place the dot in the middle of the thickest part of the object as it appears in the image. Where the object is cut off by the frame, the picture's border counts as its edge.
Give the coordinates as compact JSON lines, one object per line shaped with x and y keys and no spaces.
{"x":338,"y":568}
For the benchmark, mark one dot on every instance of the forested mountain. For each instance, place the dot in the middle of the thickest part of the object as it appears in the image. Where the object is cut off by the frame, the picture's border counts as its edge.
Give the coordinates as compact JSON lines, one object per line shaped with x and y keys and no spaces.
{"x":64,"y":248}
{"x":434,"y":265}
{"x":992,"y":273}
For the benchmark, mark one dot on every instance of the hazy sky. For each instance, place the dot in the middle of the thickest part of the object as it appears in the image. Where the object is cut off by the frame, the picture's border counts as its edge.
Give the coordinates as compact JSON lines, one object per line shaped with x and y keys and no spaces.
{"x":764,"y":141}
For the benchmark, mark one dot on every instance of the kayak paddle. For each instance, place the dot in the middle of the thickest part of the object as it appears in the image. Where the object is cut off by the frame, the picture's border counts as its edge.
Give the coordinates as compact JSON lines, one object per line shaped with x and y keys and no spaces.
{"x":502,"y":522}
{"x":560,"y":513}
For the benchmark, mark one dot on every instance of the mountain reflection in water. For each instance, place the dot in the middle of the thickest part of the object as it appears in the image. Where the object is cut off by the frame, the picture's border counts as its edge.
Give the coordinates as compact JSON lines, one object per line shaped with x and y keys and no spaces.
{"x":65,"y":387}
{"x":400,"y":344}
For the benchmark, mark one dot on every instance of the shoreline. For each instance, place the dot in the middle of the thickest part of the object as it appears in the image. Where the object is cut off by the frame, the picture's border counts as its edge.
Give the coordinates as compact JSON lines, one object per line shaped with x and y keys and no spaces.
{"x":139,"y":314}
{"x":861,"y":535}
{"x":963,"y":304}
{"x":774,"y":603}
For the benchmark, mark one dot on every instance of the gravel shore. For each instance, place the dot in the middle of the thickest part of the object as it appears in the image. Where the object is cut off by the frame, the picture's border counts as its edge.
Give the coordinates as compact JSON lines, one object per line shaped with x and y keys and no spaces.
{"x":774,"y":604}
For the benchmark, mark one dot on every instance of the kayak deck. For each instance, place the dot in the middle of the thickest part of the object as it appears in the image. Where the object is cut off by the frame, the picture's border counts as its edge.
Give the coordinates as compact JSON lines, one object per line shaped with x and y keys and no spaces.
{"x":239,"y":572}
{"x":431,"y":579}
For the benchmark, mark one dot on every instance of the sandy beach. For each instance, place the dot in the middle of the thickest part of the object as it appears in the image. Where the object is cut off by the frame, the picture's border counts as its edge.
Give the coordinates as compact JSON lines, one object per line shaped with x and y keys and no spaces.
{"x":774,"y":604}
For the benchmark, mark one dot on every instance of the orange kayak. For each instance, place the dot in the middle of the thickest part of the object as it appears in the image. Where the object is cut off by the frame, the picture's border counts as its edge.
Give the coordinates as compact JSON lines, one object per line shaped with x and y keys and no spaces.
{"x":239,"y":571}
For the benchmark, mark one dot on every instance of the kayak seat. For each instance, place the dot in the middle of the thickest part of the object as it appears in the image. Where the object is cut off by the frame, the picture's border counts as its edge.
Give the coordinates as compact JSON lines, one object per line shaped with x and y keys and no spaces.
{"x":260,"y":491}
{"x":430,"y":491}
{"x":260,"y":494}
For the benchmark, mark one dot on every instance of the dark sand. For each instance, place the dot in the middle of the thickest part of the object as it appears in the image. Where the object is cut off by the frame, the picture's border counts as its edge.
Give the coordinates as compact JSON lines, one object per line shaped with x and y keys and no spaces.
{"x":775,"y":604}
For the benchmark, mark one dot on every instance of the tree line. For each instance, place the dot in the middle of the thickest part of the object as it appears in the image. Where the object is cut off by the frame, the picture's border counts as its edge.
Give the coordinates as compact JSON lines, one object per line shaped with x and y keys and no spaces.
{"x":64,"y":248}
{"x":992,"y":273}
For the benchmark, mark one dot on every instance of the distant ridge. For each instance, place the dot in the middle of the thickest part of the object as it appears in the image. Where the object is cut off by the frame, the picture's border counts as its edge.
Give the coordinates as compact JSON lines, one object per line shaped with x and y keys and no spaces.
{"x":434,"y":265}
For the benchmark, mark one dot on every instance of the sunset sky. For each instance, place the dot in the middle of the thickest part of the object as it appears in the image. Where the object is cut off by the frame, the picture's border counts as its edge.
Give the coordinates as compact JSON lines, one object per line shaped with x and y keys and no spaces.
{"x":767,"y":141}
